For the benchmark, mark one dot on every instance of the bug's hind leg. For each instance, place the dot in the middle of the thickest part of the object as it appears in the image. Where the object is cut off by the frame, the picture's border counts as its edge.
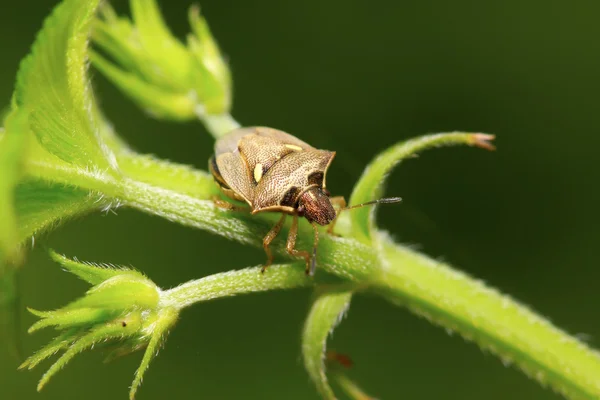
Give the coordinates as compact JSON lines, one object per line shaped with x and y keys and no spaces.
{"x":268,"y":239}
{"x":291,"y":245}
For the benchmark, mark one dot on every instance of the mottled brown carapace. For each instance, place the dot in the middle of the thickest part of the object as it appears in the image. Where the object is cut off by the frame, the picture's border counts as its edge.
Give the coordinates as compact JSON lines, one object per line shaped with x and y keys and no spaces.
{"x":274,"y":171}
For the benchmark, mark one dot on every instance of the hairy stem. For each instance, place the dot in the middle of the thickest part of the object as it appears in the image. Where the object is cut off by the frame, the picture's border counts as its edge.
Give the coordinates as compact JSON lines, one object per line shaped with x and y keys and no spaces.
{"x":345,"y":258}
{"x":248,"y":280}
{"x":494,"y":321}
{"x":428,"y":288}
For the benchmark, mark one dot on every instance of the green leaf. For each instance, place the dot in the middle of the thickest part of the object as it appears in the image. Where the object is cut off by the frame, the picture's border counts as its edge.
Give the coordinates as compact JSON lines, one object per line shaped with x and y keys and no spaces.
{"x":371,"y":184}
{"x":167,"y":175}
{"x":89,"y":272}
{"x":327,"y":311}
{"x":40,"y":205}
{"x":167,"y":55}
{"x":161,"y":74}
{"x":53,"y":86}
{"x":156,"y":101}
{"x":120,"y":329}
{"x":211,"y":71}
{"x":13,"y":143}
{"x":123,"y":306}
{"x":350,"y":387}
{"x":165,"y":320}
{"x":12,"y":151}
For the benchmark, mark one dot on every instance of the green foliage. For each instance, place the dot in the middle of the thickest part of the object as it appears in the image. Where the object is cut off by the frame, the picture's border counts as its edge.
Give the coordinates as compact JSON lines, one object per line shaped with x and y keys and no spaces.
{"x":12,"y":148}
{"x":328,"y":309}
{"x":60,"y":158}
{"x":52,"y":85}
{"x":161,"y":74}
{"x":371,"y":184}
{"x":123,"y":306}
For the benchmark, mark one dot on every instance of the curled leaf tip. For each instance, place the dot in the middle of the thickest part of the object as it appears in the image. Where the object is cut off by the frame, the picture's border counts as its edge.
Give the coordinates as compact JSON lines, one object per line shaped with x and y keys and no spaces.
{"x":328,"y":308}
{"x":483,"y":140}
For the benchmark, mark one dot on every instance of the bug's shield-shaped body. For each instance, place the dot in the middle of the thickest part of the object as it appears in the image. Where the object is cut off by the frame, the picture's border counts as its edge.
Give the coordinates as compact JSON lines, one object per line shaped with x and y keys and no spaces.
{"x":270,"y":169}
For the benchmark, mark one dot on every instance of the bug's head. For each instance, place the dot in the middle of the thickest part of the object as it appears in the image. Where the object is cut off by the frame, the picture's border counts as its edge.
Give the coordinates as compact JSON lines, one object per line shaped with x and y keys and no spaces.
{"x":314,"y":204}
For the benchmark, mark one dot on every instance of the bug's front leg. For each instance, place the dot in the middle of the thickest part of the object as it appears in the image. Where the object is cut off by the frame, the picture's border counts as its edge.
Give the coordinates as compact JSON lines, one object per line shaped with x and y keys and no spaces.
{"x":340,"y":203}
{"x":225,"y":205}
{"x":268,"y":239}
{"x":291,"y":245}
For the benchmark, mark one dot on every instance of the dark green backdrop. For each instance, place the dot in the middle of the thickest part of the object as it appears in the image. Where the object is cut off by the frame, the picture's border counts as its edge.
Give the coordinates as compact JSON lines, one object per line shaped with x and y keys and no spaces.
{"x":356,"y":77}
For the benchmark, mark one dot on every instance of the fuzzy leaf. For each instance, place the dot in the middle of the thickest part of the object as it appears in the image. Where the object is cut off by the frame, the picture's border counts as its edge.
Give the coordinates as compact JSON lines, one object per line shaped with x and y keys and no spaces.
{"x":161,"y":74}
{"x":156,"y":101}
{"x":351,"y":388}
{"x":118,"y":329}
{"x":165,"y":320}
{"x":12,"y":150}
{"x":327,"y":311}
{"x":211,"y":72}
{"x":40,"y":205}
{"x":167,"y":54}
{"x":91,"y":273}
{"x":122,"y":307}
{"x":168,"y":175}
{"x":371,"y":184}
{"x":52,"y":85}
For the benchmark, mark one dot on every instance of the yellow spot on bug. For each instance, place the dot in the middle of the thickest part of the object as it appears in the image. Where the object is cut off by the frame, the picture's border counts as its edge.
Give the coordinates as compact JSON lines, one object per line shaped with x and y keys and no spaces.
{"x":258,"y":172}
{"x":293,"y":147}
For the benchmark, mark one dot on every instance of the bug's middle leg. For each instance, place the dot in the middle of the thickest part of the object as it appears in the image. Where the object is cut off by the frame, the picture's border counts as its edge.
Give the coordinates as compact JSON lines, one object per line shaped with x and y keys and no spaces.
{"x":291,"y":245}
{"x":268,"y":239}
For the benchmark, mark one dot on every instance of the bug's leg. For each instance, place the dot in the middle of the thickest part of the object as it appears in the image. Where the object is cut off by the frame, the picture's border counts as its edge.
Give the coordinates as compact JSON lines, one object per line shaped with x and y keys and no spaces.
{"x":340,"y":202}
{"x":268,"y":239}
{"x":291,"y":245}
{"x":313,"y":262}
{"x":225,"y":205}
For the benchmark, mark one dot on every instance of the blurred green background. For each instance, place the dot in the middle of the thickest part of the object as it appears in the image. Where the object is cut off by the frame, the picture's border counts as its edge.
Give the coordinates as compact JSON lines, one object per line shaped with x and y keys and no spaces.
{"x":356,"y":77}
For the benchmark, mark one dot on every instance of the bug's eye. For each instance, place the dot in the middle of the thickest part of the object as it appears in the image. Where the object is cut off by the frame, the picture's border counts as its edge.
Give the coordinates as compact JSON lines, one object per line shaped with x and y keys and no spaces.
{"x":289,"y":198}
{"x":316,"y":178}
{"x":327,"y":192}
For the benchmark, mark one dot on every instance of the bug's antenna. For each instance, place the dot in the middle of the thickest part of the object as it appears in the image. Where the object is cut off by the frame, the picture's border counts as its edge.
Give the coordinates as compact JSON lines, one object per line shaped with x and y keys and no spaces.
{"x":387,"y":200}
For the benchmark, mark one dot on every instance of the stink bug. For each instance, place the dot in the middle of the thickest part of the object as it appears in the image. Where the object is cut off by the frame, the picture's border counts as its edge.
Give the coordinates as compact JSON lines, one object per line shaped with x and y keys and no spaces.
{"x":274,"y":171}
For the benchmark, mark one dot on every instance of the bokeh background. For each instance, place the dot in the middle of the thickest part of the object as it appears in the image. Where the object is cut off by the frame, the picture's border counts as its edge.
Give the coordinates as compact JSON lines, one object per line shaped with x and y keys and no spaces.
{"x":356,"y":77}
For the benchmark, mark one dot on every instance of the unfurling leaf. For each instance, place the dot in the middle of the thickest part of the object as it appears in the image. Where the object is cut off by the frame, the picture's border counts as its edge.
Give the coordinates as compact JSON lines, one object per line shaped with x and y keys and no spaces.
{"x":53,"y":133}
{"x":52,"y":85}
{"x":371,"y":184}
{"x":161,"y":74}
{"x":328,"y":308}
{"x":123,"y":306}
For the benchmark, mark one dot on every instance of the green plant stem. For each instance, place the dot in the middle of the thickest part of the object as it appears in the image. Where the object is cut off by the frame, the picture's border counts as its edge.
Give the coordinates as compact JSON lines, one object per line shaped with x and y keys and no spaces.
{"x":428,"y":288}
{"x":494,"y":321}
{"x":248,"y":280}
{"x":346,"y":258}
{"x":218,"y":125}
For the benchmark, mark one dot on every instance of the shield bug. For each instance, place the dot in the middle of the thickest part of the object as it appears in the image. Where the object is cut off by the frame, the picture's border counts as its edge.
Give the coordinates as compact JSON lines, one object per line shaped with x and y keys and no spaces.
{"x":273,"y":171}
